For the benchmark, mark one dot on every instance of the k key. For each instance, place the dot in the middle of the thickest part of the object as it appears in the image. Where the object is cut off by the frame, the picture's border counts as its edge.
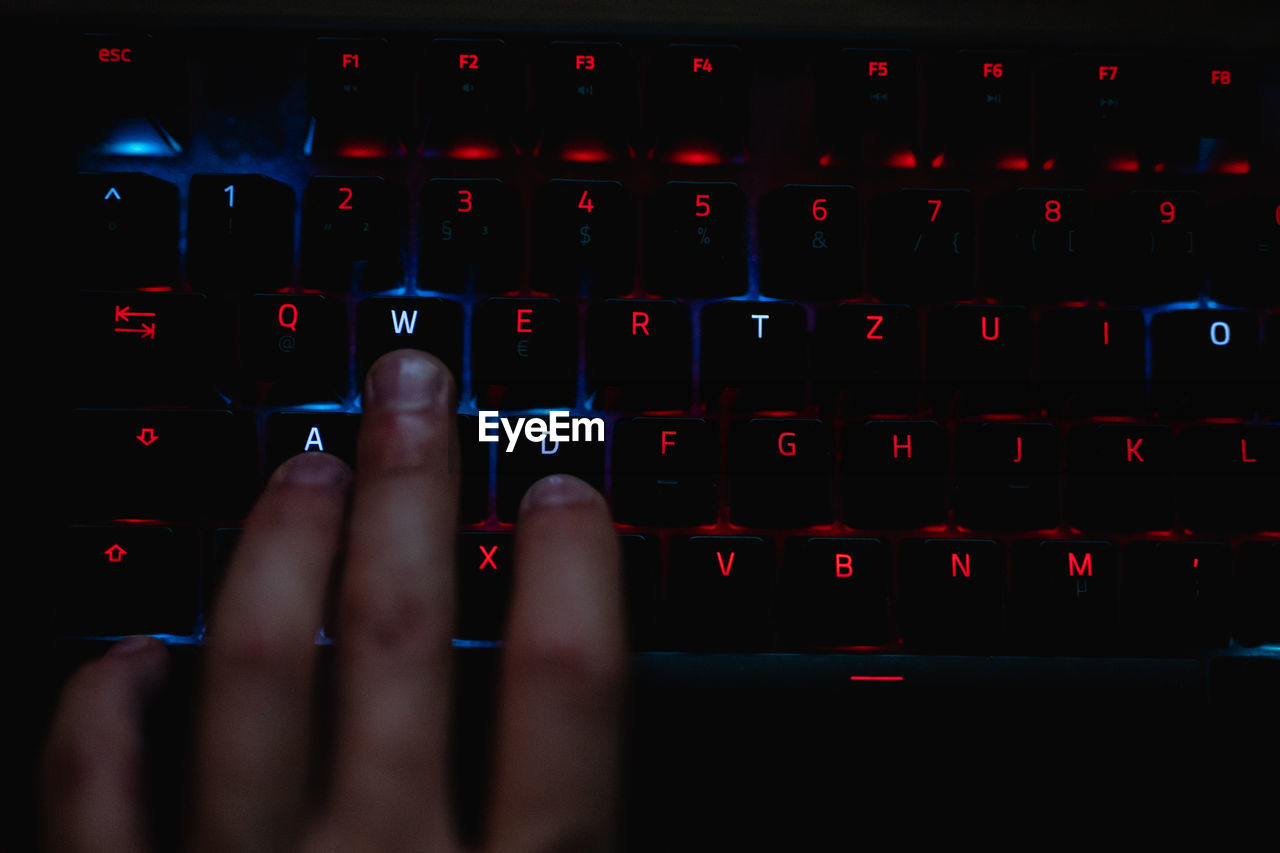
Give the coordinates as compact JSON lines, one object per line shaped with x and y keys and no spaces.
{"x":1119,"y":477}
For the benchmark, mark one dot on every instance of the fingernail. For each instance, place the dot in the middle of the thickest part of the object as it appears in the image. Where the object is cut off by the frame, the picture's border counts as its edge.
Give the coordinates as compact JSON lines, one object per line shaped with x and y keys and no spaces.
{"x":557,"y":490}
{"x":313,"y":469}
{"x":405,"y":381}
{"x":130,"y":646}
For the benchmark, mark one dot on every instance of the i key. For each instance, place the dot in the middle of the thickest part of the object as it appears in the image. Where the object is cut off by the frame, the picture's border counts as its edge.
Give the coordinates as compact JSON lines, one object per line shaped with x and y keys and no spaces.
{"x":950,"y":593}
{"x":922,"y":245}
{"x":470,"y":235}
{"x":719,"y":589}
{"x":835,"y":592}
{"x":524,"y":352}
{"x":780,"y":473}
{"x":584,"y":238}
{"x":430,"y":324}
{"x":239,"y":233}
{"x":665,"y":471}
{"x":1093,"y":360}
{"x":756,"y":349}
{"x":640,"y":354}
{"x":349,"y":236}
{"x":125,"y":230}
{"x":698,"y":240}
{"x":810,"y":242}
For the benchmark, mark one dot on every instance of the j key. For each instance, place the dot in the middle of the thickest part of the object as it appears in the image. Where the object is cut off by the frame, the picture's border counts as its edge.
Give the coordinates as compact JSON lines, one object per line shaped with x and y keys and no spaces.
{"x":698,"y":240}
{"x":836,"y":592}
{"x":295,"y":339}
{"x":239,"y":233}
{"x":1204,"y":361}
{"x":474,"y":505}
{"x":780,"y":473}
{"x":719,"y":591}
{"x":872,"y":352}
{"x":173,"y":465}
{"x":485,"y":564}
{"x":988,"y":101}
{"x":810,"y":236}
{"x":583,"y":91}
{"x":429,"y":324}
{"x":1007,"y":476}
{"x":640,"y":354}
{"x":700,"y":93}
{"x":1230,"y":477}
{"x":528,"y":461}
{"x":950,"y":593}
{"x":291,"y":433}
{"x":893,"y":474}
{"x":1093,"y":360}
{"x":642,"y":585}
{"x":869,"y":100}
{"x":141,"y":348}
{"x":923,"y":244}
{"x":471,"y":92}
{"x":1119,"y":477}
{"x":1247,"y":267}
{"x":983,"y":353}
{"x":1173,"y":594}
{"x":470,"y":235}
{"x":584,"y":237}
{"x":665,"y":471}
{"x":1161,"y":245}
{"x":125,"y":231}
{"x":757,"y":349}
{"x":524,"y":352}
{"x":1039,"y":238}
{"x":1257,"y":608}
{"x":1065,"y":594}
{"x":135,"y":579}
{"x":349,"y":234}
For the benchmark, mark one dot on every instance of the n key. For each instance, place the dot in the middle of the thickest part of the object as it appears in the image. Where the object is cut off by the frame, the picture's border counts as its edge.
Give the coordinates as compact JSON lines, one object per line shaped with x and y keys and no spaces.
{"x":950,"y":593}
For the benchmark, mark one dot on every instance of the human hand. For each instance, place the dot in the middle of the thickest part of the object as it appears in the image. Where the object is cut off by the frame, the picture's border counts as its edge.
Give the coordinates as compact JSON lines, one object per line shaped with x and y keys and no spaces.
{"x":392,"y":527}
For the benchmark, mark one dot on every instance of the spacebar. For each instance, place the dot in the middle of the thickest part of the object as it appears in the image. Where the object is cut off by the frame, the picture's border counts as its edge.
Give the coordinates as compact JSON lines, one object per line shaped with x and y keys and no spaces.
{"x":897,"y":672}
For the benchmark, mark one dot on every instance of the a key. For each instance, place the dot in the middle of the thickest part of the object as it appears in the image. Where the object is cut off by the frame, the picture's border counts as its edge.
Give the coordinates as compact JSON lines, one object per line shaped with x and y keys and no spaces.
{"x":922,"y":245}
{"x":698,"y":242}
{"x":350,"y":234}
{"x":239,"y":233}
{"x":1007,"y":476}
{"x":982,"y":353}
{"x":125,"y":230}
{"x":1204,"y":362}
{"x":1093,"y":360}
{"x":640,"y":354}
{"x":528,"y":461}
{"x":779,"y":472}
{"x":1173,"y":595}
{"x":126,"y":579}
{"x":485,"y":563}
{"x":719,"y":589}
{"x":584,"y":238}
{"x":297,"y":341}
{"x":892,"y":475}
{"x":1065,"y":594}
{"x":524,"y":352}
{"x":291,"y":433}
{"x":950,"y":594}
{"x":835,"y":592}
{"x":1229,"y":477}
{"x":168,"y":464}
{"x":756,"y":349}
{"x":871,"y":353}
{"x":470,"y":236}
{"x":1119,"y":477}
{"x":389,"y":323}
{"x":665,"y":471}
{"x":810,"y":242}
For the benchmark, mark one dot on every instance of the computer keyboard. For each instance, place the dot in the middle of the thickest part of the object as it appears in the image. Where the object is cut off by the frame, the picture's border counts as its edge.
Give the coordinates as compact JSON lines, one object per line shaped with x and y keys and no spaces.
{"x":915,"y":363}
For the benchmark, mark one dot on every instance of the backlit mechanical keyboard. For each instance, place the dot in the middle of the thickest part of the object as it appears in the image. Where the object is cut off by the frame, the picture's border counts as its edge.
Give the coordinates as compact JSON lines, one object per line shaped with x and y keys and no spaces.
{"x":898,"y":362}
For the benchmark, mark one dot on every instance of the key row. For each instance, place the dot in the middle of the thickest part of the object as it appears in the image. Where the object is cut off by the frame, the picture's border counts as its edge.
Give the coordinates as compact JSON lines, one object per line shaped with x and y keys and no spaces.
{"x":466,"y":97}
{"x":155,"y":348}
{"x":759,"y":472}
{"x":749,"y":593}
{"x":1039,"y":245}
